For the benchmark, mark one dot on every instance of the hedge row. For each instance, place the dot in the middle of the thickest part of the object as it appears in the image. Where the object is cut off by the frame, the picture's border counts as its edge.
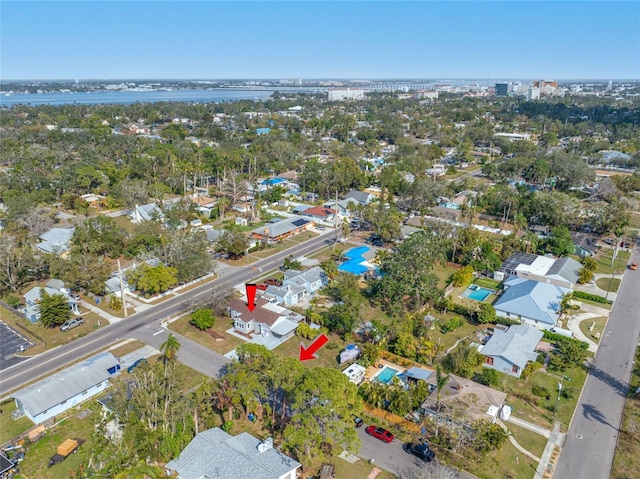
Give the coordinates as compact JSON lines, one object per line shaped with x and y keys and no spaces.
{"x":559,"y":337}
{"x":591,"y":297}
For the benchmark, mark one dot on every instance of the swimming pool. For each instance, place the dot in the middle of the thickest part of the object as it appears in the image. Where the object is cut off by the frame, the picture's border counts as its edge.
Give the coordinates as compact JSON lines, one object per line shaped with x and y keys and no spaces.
{"x":386,"y":375}
{"x":477,"y":293}
{"x":353,"y":264}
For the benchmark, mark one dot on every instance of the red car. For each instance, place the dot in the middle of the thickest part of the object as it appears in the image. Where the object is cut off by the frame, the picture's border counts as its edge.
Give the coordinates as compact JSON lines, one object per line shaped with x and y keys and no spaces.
{"x":261,"y":286}
{"x":379,"y":433}
{"x":273,"y":282}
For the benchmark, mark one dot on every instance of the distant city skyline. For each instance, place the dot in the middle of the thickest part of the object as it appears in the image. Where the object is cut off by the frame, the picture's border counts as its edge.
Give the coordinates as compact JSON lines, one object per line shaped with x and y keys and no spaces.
{"x":495,"y":40}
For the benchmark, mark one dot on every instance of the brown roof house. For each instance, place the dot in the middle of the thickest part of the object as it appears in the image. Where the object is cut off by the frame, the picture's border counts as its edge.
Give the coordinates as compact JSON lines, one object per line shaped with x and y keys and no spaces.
{"x":266,"y":319}
{"x":462,"y":403}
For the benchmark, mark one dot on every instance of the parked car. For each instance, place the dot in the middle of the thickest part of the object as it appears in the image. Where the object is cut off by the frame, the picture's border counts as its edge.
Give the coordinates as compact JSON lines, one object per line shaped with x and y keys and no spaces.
{"x":71,"y":323}
{"x":633,"y":266}
{"x":136,"y":363}
{"x":261,"y":286}
{"x":379,"y":433}
{"x":273,"y":282}
{"x":420,"y":450}
{"x":357,"y":421}
{"x":321,"y":227}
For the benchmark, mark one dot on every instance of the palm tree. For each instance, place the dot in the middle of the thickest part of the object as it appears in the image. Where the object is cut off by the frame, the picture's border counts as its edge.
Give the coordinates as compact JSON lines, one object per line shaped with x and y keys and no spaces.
{"x":223,"y":202}
{"x":441,"y":380}
{"x":170,"y":348}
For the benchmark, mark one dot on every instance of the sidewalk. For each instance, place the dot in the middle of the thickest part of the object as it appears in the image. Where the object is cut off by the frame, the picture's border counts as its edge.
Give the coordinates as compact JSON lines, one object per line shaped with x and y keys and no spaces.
{"x":530,"y":426}
{"x":593,"y":288}
{"x":515,"y":443}
{"x":556,"y":439}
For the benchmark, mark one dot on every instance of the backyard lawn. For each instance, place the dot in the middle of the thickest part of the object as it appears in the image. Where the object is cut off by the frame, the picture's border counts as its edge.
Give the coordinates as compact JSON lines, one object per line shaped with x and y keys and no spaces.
{"x":327,"y":356}
{"x":9,"y":427}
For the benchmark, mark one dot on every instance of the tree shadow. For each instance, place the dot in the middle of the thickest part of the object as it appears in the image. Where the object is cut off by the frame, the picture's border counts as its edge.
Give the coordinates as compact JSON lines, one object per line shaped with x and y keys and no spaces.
{"x":620,"y":387}
{"x":592,"y":412}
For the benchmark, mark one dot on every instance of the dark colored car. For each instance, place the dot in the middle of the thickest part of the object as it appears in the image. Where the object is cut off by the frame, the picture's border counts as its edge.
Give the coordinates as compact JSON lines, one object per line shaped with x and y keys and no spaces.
{"x":357,"y":421}
{"x":379,"y":433}
{"x":135,"y":364}
{"x":420,"y":450}
{"x":273,"y":282}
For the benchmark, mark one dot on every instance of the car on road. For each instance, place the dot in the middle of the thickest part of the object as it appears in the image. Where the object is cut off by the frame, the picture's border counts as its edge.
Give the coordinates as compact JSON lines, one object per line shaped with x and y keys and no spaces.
{"x":633,"y":266}
{"x":273,"y":282}
{"x":71,"y":323}
{"x":379,"y":433}
{"x":420,"y":450}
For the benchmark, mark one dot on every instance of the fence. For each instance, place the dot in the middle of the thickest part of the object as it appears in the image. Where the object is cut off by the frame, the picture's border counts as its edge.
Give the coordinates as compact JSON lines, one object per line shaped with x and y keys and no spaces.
{"x":393,"y":419}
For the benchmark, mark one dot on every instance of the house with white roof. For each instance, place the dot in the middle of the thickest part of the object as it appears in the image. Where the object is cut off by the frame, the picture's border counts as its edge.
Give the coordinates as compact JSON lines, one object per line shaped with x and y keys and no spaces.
{"x":559,"y":271}
{"x":56,"y":240}
{"x":509,"y":351}
{"x":531,"y":302}
{"x":216,"y":454}
{"x":66,"y":389}
{"x":312,"y":279}
{"x":266,"y":318}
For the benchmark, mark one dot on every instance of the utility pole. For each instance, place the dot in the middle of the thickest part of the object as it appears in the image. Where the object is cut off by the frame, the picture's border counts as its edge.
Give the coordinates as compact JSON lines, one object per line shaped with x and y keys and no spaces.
{"x":124,"y":301}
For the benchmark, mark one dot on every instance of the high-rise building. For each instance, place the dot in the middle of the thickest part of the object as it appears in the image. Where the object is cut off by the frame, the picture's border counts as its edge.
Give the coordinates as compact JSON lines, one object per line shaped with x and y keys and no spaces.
{"x":502,"y":89}
{"x":533,"y":94}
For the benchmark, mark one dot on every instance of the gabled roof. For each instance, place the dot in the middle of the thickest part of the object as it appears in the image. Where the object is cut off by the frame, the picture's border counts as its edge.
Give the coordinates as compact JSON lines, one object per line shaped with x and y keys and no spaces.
{"x":531,"y":299}
{"x":259,"y":313}
{"x":309,"y":276}
{"x":565,"y":268}
{"x":585,"y":241}
{"x":517,"y":344}
{"x":273,"y":230}
{"x":56,"y":240}
{"x":285,"y":290}
{"x":215,"y":454}
{"x":319,"y":211}
{"x":148,"y":212}
{"x":67,"y":383}
{"x":33,"y":295}
{"x":359,"y":196}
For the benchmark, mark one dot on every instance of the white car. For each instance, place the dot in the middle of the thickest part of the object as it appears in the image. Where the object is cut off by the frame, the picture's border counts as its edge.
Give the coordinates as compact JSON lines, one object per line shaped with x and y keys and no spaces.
{"x":71,"y":323}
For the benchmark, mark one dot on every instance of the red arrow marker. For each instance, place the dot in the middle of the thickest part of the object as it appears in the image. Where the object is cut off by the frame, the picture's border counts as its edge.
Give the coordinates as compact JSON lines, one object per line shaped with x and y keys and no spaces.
{"x":306,"y":354}
{"x":251,"y":296}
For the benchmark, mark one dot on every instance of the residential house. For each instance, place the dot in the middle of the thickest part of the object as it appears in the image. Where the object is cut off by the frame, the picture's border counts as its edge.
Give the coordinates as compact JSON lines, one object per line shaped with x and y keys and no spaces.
{"x":561,"y":271}
{"x":532,"y":302}
{"x":361,"y":197}
{"x":462,"y":403}
{"x":148,"y":212}
{"x":216,"y":454}
{"x":320,"y":213}
{"x":94,"y":201}
{"x":282,"y":229}
{"x":312,"y":279}
{"x":56,"y":240}
{"x":355,"y":373}
{"x":204,"y":204}
{"x":66,"y":389}
{"x":584,"y":244}
{"x":509,"y":351}
{"x":342,"y":207}
{"x":53,"y":286}
{"x":287,"y":294}
{"x":266,"y":318}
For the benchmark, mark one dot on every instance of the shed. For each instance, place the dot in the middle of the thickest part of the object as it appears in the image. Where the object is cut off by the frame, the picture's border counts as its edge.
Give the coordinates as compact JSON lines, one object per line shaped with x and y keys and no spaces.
{"x":350,"y":353}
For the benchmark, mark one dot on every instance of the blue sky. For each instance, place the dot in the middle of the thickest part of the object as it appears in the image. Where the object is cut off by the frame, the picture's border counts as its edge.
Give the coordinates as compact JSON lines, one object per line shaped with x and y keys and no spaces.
{"x":309,"y":39}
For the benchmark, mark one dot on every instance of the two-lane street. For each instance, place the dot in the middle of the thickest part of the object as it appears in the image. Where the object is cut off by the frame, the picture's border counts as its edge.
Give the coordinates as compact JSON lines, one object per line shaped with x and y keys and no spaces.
{"x":136,"y":325}
{"x":592,"y":438}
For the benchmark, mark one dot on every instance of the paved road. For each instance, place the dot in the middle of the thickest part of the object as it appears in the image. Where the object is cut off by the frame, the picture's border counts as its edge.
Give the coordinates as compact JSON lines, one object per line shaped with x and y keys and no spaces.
{"x":140,"y":325}
{"x":593,"y":435}
{"x":392,"y":458}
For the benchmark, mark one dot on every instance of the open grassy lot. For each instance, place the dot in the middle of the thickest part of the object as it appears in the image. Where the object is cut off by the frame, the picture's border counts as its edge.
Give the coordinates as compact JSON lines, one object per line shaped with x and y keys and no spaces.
{"x":126,"y":348}
{"x":502,"y":463}
{"x":9,"y":427}
{"x":619,"y":264}
{"x":327,"y":356}
{"x":215,"y":338}
{"x":487,"y":283}
{"x":626,"y":462}
{"x":598,"y":327}
{"x":608,"y":284}
{"x":542,"y":413}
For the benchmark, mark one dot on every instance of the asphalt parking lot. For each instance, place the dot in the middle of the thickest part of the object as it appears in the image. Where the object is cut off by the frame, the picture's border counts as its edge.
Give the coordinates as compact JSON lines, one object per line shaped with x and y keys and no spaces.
{"x":11,"y":342}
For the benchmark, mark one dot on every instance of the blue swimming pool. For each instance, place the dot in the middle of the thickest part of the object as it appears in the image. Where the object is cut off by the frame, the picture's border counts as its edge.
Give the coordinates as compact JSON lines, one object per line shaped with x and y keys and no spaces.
{"x":386,"y":375}
{"x":353,"y":264}
{"x":477,"y":293}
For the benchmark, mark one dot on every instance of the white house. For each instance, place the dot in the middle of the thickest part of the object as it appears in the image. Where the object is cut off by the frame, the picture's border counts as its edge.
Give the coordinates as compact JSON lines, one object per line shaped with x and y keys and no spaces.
{"x":67,"y":388}
{"x":148,"y":212}
{"x":215,"y":454}
{"x":53,"y":286}
{"x":56,"y":240}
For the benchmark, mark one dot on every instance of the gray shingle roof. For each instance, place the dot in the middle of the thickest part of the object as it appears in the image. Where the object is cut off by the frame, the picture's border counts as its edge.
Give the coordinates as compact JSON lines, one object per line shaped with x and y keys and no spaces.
{"x":67,"y":383}
{"x":531,"y":299}
{"x":56,"y":240}
{"x":565,"y":268}
{"x":216,"y":454}
{"x":517,"y":344}
{"x":273,"y":230}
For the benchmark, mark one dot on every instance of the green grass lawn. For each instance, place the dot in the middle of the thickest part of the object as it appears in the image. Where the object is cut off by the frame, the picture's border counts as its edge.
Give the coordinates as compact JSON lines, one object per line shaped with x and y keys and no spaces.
{"x":327,"y":356}
{"x":598,"y":327}
{"x":443,"y":273}
{"x":532,"y":442}
{"x":487,"y":283}
{"x":619,"y":264}
{"x":542,"y":413}
{"x":35,"y":464}
{"x":608,"y":284}
{"x":215,"y":338}
{"x":9,"y":427}
{"x":499,"y":464}
{"x":594,"y":303}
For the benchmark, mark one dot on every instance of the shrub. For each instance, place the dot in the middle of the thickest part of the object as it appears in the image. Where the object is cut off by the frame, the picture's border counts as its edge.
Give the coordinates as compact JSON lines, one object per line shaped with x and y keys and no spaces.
{"x":203,"y":319}
{"x":462,"y":277}
{"x":530,"y":368}
{"x":591,"y":297}
{"x":307,"y":332}
{"x":451,"y":325}
{"x":12,"y":300}
{"x":540,"y":392}
{"x":227,"y":426}
{"x":488,"y":377}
